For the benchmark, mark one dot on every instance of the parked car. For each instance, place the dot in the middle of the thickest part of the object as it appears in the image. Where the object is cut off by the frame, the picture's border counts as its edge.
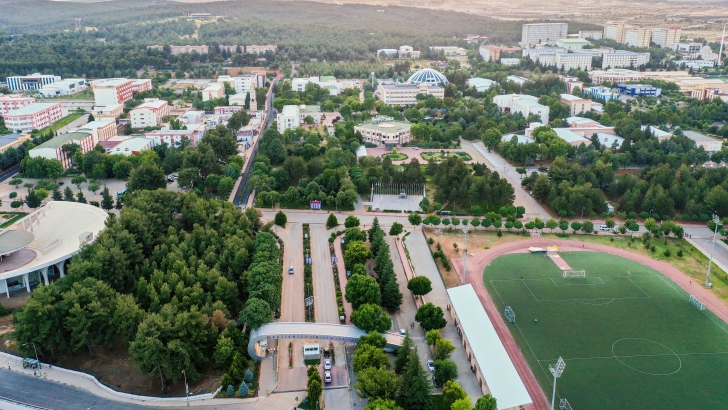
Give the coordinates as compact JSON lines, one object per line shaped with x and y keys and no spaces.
{"x":416,"y":148}
{"x":290,"y":270}
{"x":431,"y":365}
{"x":327,"y":364}
{"x":435,"y":383}
{"x":327,"y":377}
{"x":402,"y":332}
{"x":60,"y":183}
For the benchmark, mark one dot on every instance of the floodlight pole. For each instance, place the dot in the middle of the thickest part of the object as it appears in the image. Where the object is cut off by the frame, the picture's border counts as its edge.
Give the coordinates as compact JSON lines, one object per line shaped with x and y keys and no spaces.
{"x":556,"y":370}
{"x":465,"y":254}
{"x":710,"y":264}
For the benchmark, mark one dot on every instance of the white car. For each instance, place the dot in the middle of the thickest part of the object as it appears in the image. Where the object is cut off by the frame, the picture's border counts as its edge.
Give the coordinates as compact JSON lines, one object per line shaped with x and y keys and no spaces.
{"x":416,"y":148}
{"x":431,"y":365}
{"x":327,"y":364}
{"x":290,"y":270}
{"x":327,"y":377}
{"x":402,"y":332}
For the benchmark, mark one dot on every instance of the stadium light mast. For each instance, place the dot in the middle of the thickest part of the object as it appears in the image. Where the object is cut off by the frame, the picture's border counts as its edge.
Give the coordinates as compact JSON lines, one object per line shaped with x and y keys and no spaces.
{"x":465,"y":253}
{"x":716,"y":220}
{"x":556,"y":370}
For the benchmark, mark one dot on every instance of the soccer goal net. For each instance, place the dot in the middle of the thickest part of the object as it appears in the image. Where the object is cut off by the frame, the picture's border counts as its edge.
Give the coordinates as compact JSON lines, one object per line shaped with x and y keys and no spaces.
{"x":510,"y":315}
{"x":564,"y":404}
{"x":697,"y":303}
{"x":574,"y":274}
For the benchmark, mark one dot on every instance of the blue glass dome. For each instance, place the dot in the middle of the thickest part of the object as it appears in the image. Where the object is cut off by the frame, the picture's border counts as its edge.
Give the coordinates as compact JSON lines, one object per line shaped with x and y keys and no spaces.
{"x":429,"y":76}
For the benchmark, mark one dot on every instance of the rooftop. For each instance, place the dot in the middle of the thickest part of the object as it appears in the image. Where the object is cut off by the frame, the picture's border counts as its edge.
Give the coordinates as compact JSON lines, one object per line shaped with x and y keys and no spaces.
{"x":96,"y":124}
{"x":115,"y":82}
{"x":7,"y":139}
{"x":32,"y":109}
{"x":698,"y":137}
{"x":386,"y":126}
{"x":570,"y":97}
{"x":569,"y":136}
{"x":63,"y":139}
{"x":573,"y":41}
{"x":131,"y":144}
{"x":155,"y":105}
{"x":309,"y":109}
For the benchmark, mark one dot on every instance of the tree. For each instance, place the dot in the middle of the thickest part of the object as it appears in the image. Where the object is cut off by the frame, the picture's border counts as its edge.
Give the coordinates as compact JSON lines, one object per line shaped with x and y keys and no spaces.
{"x":362,"y":289}
{"x":107,"y":202}
{"x":257,"y":312}
{"x":370,"y":356}
{"x":80,"y":198}
{"x":576,"y":225}
{"x":451,"y":392}
{"x":68,"y":195}
{"x":462,"y":404}
{"x":356,"y":252}
{"x":403,"y":356}
{"x":78,"y":180}
{"x":16,"y":182}
{"x":370,"y":317}
{"x":281,"y":219}
{"x":552,"y":224}
{"x":314,"y":391}
{"x":332,"y":222}
{"x":445,"y":370}
{"x":587,"y":226}
{"x":243,"y":390}
{"x":224,"y":351}
{"x":430,"y":317}
{"x":442,"y":350}
{"x":414,"y":219}
{"x":238,"y":120}
{"x":94,"y":187}
{"x":373,"y":339}
{"x":425,"y":205}
{"x":415,"y":387}
{"x":381,"y":404}
{"x":147,"y":176}
{"x":57,"y":195}
{"x":420,"y":285}
{"x":396,"y":229}
{"x":351,"y":221}
{"x":432,"y":336}
{"x":122,"y":169}
{"x":486,"y":402}
{"x":32,"y":200}
{"x":373,"y":383}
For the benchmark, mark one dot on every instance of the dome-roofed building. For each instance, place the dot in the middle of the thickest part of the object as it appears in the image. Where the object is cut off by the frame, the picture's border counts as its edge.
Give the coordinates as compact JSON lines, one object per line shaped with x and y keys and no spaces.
{"x":428,"y":76}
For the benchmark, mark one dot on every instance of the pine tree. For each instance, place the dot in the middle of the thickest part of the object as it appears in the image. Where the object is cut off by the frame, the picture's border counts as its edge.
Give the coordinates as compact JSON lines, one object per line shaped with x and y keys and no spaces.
{"x":118,"y":203}
{"x":107,"y":202}
{"x":236,"y":370}
{"x":374,"y":229}
{"x":391,"y":296}
{"x":80,"y":198}
{"x":57,"y":195}
{"x":68,"y":195}
{"x":32,"y":200}
{"x":332,"y":222}
{"x":415,"y":387}
{"x":400,"y":363}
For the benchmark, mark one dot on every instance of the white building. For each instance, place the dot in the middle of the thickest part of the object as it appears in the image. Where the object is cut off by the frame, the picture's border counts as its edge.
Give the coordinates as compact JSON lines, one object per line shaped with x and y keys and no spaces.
{"x":637,"y":37}
{"x":577,"y":105}
{"x":517,"y":79}
{"x":540,"y":33}
{"x":615,"y":75}
{"x":524,"y":104}
{"x":113,"y":91}
{"x":622,"y":58}
{"x":564,"y":61}
{"x":404,"y":52}
{"x":293,"y":116}
{"x":193,"y":133}
{"x":385,"y":132}
{"x":132,"y":146}
{"x":31,"y":81}
{"x":33,"y":117}
{"x":511,"y":62}
{"x":238,"y":99}
{"x":100,"y":130}
{"x":213,"y":91}
{"x":614,"y":31}
{"x":592,"y":34}
{"x":241,"y":83}
{"x":480,"y":84}
{"x":334,"y":86}
{"x":10,"y":102}
{"x":534,"y":52}
{"x":149,"y":114}
{"x":449,"y":50}
{"x":666,"y":37}
{"x":710,"y":145}
{"x":108,"y":111}
{"x":572,"y":44}
{"x":406,"y":94}
{"x":68,"y":86}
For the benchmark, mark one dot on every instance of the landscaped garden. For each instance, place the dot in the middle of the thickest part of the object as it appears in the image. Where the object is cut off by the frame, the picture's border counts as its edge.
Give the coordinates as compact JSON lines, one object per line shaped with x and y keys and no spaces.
{"x":439,"y":156}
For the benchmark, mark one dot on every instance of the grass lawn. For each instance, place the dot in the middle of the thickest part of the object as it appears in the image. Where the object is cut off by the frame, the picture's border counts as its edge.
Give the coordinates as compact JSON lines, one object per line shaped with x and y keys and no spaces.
{"x":629,"y":336}
{"x":63,"y":122}
{"x":395,"y":157}
{"x":439,"y":156}
{"x":11,"y":218}
{"x":86,"y":94}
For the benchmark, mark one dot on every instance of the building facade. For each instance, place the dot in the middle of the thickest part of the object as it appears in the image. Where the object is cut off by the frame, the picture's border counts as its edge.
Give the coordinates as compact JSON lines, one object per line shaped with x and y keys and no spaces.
{"x":112,"y":91}
{"x":385,"y":132}
{"x":53,"y":148}
{"x":540,"y":33}
{"x":637,"y":37}
{"x":591,"y":34}
{"x":241,"y":83}
{"x":100,"y":130}
{"x":524,"y":104}
{"x":11,"y":102}
{"x":639,"y":90}
{"x":213,"y":91}
{"x":176,"y":50}
{"x":68,"y":86}
{"x":572,"y":44}
{"x":615,"y":75}
{"x":33,"y":117}
{"x":666,"y":37}
{"x":403,"y":53}
{"x":621,"y":58}
{"x":293,"y":116}
{"x":614,"y":31}
{"x":193,"y":134}
{"x":406,"y":94}
{"x":255,"y":49}
{"x":149,"y":114}
{"x":30,"y":82}
{"x":577,"y":105}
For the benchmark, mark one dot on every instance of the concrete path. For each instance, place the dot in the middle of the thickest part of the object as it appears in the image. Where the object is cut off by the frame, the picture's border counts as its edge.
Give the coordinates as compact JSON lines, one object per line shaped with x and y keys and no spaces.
{"x":424,"y":265}
{"x":343,"y":280}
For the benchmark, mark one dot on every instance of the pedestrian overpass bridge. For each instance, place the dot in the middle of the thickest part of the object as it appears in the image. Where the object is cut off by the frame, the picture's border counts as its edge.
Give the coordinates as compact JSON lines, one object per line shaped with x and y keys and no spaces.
{"x":308,"y":331}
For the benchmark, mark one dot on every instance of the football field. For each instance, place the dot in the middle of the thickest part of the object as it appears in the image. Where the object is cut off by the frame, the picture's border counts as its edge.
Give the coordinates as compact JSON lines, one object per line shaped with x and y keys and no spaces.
{"x":630,"y":337}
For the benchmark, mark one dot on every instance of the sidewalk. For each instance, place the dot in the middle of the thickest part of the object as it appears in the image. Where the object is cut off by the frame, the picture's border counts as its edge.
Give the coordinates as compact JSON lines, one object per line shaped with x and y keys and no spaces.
{"x":343,"y":280}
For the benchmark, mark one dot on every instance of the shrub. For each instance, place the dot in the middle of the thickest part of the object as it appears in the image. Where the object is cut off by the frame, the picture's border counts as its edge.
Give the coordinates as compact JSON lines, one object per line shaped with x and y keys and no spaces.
{"x":632,"y":215}
{"x":243,"y":390}
{"x":230,"y":390}
{"x":562,"y":213}
{"x":248,"y":377}
{"x":653,"y":249}
{"x":572,"y":213}
{"x":13,"y":195}
{"x":16,"y":204}
{"x":679,"y":253}
{"x":667,"y":253}
{"x":611,"y":214}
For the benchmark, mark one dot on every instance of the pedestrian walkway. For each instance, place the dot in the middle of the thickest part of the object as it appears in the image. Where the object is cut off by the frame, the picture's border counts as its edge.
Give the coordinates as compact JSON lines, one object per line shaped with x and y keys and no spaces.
{"x":342,"y":277}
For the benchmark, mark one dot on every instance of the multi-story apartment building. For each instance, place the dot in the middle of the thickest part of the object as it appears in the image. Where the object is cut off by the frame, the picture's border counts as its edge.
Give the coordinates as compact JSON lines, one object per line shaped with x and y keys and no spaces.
{"x":592,"y":34}
{"x":449,"y":50}
{"x":33,"y":117}
{"x":614,"y":31}
{"x":686,"y":48}
{"x":213,"y":91}
{"x":176,"y":50}
{"x":622,"y":58}
{"x":10,"y":102}
{"x":577,"y":105}
{"x":404,"y":52}
{"x":534,"y":52}
{"x":108,"y":111}
{"x":639,"y":90}
{"x":540,"y":33}
{"x":406,"y":94}
{"x":68,"y":86}
{"x":114,"y":91}
{"x":603,"y":93}
{"x":492,"y":52}
{"x":253,"y":49}
{"x":637,"y":37}
{"x":615,"y":75}
{"x":100,"y":130}
{"x":293,"y":116}
{"x":572,"y":44}
{"x":524,"y":104}
{"x":241,"y":83}
{"x":565,"y":61}
{"x":53,"y":148}
{"x":193,"y":133}
{"x":385,"y":132}
{"x":665,"y":37}
{"x":149,"y":114}
{"x":13,"y":140}
{"x":572,"y":83}
{"x":30,"y":82}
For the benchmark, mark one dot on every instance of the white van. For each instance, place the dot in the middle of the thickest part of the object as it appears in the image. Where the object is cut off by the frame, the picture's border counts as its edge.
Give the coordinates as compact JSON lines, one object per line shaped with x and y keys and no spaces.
{"x":604,"y":228}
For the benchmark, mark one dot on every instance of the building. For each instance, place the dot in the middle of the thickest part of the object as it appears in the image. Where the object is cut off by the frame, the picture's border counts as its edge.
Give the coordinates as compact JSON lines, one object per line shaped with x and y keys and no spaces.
{"x":254,"y":49}
{"x":495,"y":372}
{"x":710,"y":145}
{"x":429,"y":76}
{"x":33,"y":117}
{"x":686,"y":48}
{"x":572,"y":44}
{"x":406,"y":94}
{"x":213,"y":91}
{"x":238,"y":99}
{"x":639,"y":90}
{"x":520,"y":139}
{"x":100,"y":130}
{"x":534,"y":52}
{"x":475,"y":38}
{"x":449,"y":50}
{"x":603,"y":93}
{"x":37,"y":247}
{"x":517,"y":79}
{"x":577,"y":105}
{"x":615,"y":75}
{"x":572,"y":83}
{"x":176,"y":50}
{"x":622,"y":58}
{"x":132,"y":146}
{"x":511,"y":62}
{"x":539,"y":33}
{"x":10,"y":102}
{"x":526,"y":105}
{"x":68,"y":86}
{"x":658,"y":133}
{"x":30,"y":82}
{"x":666,"y":37}
{"x":637,"y":37}
{"x":293,"y":116}
{"x":241,"y":83}
{"x":385,"y":132}
{"x":403,"y":52}
{"x":489,"y":52}
{"x":149,"y":114}
{"x":192,"y":117}
{"x":193,"y":134}
{"x":108,"y":111}
{"x":231,"y":49}
{"x":480,"y":84}
{"x":564,"y":61}
{"x":13,"y":140}
{"x":53,"y":148}
{"x":328,"y":82}
{"x":571,"y":138}
{"x":117,"y":90}
{"x":592,"y":34}
{"x":614,"y":31}
{"x":227,"y":112}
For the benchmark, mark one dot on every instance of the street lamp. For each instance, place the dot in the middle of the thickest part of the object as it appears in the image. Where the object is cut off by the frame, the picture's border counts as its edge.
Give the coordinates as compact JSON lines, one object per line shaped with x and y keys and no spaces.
{"x":582,"y":212}
{"x":187,"y":388}
{"x":710,"y":264}
{"x":36,"y":353}
{"x":465,"y":253}
{"x":556,"y":370}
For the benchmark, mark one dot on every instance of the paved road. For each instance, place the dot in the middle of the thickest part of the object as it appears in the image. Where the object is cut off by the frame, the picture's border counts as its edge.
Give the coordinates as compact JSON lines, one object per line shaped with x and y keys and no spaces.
{"x":702,"y":239}
{"x":424,"y":265}
{"x":324,"y":290}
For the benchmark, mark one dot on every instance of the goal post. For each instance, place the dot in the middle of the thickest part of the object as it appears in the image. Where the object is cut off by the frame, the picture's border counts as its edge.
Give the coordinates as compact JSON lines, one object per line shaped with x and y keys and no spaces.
{"x":574,"y":273}
{"x":698,"y":304}
{"x":564,"y":405}
{"x":509,"y":314}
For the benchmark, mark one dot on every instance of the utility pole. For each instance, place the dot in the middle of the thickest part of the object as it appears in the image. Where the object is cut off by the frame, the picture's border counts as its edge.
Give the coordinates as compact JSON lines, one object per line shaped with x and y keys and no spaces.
{"x":187,"y":388}
{"x":465,"y":254}
{"x":716,"y":220}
